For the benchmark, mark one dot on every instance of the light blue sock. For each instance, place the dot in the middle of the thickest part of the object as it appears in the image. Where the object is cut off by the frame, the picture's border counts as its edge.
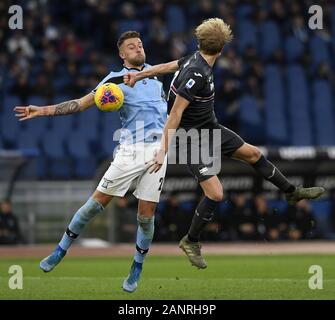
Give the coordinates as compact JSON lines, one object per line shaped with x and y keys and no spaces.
{"x":145,"y":233}
{"x":89,"y":210}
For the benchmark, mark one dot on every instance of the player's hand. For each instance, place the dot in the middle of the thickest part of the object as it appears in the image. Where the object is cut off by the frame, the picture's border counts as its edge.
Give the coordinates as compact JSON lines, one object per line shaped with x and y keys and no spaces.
{"x":156,"y":163}
{"x":129,"y":79}
{"x":28,"y":112}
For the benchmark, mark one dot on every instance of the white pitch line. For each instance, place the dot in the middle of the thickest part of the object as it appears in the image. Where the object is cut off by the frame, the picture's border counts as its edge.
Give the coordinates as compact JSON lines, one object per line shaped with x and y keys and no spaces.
{"x":164,"y":279}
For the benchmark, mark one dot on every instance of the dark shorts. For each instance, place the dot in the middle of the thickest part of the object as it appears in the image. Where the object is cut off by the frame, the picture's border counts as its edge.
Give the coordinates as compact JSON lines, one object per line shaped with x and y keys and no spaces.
{"x":217,"y":142}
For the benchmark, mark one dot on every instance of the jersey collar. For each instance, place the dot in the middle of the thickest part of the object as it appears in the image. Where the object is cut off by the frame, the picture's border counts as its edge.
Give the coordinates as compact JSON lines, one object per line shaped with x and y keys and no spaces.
{"x":204,"y":61}
{"x":137,"y":69}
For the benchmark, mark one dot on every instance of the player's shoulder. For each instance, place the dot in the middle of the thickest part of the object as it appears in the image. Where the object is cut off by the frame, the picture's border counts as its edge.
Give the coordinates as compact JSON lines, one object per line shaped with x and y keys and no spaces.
{"x":194,"y":64}
{"x":195,"y":71}
{"x":115,"y":74}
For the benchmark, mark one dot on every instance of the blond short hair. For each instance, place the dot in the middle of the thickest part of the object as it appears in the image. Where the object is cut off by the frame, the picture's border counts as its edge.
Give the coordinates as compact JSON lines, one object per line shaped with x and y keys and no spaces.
{"x":212,"y":35}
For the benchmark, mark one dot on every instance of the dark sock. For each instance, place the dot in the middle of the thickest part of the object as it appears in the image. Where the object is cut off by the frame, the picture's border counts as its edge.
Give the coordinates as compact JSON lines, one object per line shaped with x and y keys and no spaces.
{"x":191,"y":239}
{"x":290,"y":189}
{"x":269,"y":172}
{"x":203,"y":214}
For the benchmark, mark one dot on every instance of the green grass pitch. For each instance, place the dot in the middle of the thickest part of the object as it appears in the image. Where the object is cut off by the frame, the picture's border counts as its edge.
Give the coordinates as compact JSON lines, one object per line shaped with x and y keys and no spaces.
{"x":227,"y":277}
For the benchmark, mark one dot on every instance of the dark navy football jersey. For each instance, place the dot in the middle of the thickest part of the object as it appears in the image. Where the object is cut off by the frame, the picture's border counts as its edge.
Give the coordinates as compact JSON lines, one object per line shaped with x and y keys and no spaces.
{"x":194,"y":82}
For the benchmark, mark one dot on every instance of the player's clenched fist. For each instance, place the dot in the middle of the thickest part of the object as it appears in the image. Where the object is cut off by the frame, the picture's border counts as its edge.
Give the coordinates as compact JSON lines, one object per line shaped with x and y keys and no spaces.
{"x":27,"y":112}
{"x":129,"y":79}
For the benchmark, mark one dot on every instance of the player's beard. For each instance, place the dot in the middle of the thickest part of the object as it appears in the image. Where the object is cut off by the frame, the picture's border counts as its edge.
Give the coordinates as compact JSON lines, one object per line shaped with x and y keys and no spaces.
{"x":138,"y":61}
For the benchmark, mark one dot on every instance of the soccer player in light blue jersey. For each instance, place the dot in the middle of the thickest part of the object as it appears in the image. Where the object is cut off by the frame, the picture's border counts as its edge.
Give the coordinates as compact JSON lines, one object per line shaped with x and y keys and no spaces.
{"x":143,"y":115}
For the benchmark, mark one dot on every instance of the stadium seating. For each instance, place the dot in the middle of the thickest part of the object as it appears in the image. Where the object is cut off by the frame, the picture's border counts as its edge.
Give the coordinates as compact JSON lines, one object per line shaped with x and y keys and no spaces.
{"x":294,"y":49}
{"x":319,"y":50}
{"x":63,"y":125}
{"x":175,"y":19}
{"x":88,"y":123}
{"x":59,"y":165}
{"x":111,"y":123}
{"x":270,"y":38}
{"x":244,"y":11}
{"x":188,"y":205}
{"x":9,"y":103}
{"x":247,"y":35}
{"x":333,"y":27}
{"x":323,"y":113}
{"x":250,"y":120}
{"x":79,"y":150}
{"x":298,"y":107}
{"x":274,"y":107}
{"x":322,"y":210}
{"x":10,"y":128}
{"x":279,"y":206}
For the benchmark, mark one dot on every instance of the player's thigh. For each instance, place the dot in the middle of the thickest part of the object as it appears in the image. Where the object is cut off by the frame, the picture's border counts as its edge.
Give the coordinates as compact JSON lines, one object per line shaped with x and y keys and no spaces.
{"x":230,"y":140}
{"x":247,"y":153}
{"x":120,"y":174}
{"x":212,"y":188}
{"x":150,"y":185}
{"x":146,"y":208}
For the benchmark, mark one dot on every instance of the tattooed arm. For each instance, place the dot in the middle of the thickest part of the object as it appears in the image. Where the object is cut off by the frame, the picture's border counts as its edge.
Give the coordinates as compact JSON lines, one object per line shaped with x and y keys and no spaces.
{"x":64,"y":108}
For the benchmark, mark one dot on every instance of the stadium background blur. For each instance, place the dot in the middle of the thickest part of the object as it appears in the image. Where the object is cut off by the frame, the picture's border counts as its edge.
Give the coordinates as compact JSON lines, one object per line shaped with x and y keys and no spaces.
{"x":274,"y":86}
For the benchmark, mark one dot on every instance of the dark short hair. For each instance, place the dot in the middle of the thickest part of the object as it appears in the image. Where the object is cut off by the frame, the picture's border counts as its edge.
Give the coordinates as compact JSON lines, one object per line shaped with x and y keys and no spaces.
{"x":127,"y":35}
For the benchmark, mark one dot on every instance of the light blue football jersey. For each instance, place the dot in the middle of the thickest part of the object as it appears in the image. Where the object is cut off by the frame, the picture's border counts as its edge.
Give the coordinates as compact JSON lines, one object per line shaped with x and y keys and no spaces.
{"x":144,"y":110}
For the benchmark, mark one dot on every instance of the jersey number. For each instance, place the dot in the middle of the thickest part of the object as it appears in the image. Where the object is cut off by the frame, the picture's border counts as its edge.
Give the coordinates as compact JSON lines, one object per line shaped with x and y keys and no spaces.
{"x":161,"y":180}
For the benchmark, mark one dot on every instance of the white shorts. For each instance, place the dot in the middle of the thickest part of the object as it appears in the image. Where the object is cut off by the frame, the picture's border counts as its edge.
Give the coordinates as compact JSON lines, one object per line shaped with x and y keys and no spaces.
{"x":128,"y":165}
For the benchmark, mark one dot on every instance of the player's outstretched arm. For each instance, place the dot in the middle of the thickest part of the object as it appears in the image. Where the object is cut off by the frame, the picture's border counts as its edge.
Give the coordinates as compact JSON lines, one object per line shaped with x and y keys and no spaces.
{"x":63,"y":108}
{"x":131,"y":78}
{"x":172,"y":123}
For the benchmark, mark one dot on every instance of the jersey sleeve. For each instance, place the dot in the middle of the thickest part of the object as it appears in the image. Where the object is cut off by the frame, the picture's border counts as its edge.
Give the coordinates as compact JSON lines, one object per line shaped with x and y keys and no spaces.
{"x":192,"y":82}
{"x":182,"y":60}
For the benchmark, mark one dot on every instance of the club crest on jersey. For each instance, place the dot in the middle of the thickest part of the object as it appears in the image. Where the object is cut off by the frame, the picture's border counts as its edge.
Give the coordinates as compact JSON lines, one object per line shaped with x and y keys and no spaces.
{"x":190,"y":83}
{"x":106,"y":183}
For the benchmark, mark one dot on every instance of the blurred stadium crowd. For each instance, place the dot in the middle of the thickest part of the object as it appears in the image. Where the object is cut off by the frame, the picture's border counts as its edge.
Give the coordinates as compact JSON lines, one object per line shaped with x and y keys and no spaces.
{"x":274,"y":86}
{"x":241,"y":217}
{"x":277,"y":71}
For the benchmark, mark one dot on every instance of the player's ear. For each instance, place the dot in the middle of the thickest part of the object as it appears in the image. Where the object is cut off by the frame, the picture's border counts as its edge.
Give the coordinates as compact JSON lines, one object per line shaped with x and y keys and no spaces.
{"x":121,"y":54}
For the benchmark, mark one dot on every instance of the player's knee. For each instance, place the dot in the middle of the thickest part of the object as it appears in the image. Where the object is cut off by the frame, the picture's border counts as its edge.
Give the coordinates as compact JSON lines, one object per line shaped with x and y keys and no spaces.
{"x":218,"y":196}
{"x":253,"y":155}
{"x":146,"y":223}
{"x":215,"y":195}
{"x":102,"y":198}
